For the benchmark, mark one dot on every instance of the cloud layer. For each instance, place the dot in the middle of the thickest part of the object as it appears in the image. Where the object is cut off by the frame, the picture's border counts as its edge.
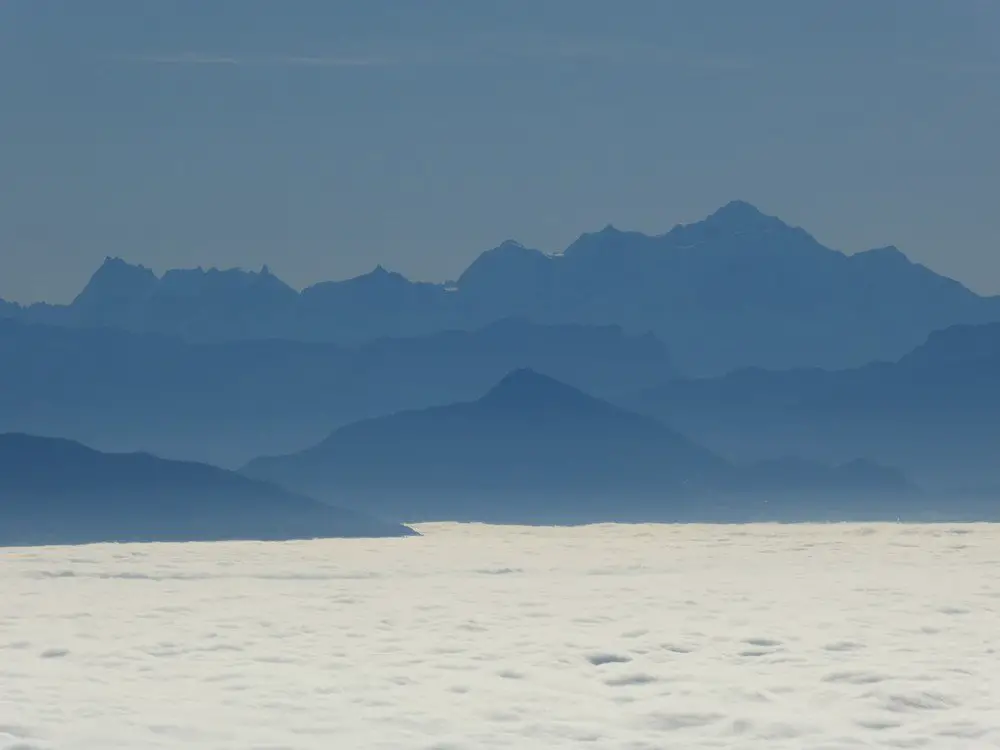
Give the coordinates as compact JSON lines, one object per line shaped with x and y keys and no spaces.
{"x":468,"y":49}
{"x":197,"y":58}
{"x":634,"y":637}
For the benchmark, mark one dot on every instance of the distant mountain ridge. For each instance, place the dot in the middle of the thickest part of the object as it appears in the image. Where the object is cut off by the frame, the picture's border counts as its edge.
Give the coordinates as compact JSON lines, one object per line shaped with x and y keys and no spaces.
{"x":55,"y":491}
{"x":934,"y":413}
{"x":228,"y":402}
{"x":737,"y":289}
{"x":534,"y":450}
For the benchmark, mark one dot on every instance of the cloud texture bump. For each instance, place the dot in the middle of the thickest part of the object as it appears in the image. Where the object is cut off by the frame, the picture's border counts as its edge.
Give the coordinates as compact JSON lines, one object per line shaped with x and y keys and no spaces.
{"x":471,"y":637}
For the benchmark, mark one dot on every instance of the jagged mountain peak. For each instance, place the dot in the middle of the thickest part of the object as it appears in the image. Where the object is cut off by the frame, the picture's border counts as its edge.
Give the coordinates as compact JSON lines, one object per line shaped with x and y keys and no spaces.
{"x":512,"y":248}
{"x":381,"y":275}
{"x":956,"y":346}
{"x":510,"y":255}
{"x":198,"y":281}
{"x":525,"y":388}
{"x":118,"y":268}
{"x":739,"y":217}
{"x":609,"y":240}
{"x":738,"y":211}
{"x":523,"y":378}
{"x":117,"y":279}
{"x":887,"y":254}
{"x":115,"y":262}
{"x":740,"y":229}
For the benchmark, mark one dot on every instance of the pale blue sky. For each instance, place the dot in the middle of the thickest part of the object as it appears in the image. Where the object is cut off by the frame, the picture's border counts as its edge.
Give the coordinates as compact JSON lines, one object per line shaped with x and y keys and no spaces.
{"x":323,"y":137}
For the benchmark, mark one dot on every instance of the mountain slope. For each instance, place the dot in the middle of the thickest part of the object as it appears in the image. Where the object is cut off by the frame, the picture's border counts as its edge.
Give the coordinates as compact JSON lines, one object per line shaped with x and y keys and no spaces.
{"x":737,"y":289}
{"x":935,"y":412}
{"x":228,"y":402}
{"x":55,"y":491}
{"x":535,"y":450}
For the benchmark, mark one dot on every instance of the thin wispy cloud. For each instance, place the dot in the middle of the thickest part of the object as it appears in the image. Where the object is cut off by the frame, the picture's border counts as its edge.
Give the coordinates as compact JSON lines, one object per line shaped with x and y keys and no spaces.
{"x":183,"y":58}
{"x":961,"y":67}
{"x":196,"y":59}
{"x":333,"y":62}
{"x":469,"y":50}
{"x":537,"y":46}
{"x":519,"y":49}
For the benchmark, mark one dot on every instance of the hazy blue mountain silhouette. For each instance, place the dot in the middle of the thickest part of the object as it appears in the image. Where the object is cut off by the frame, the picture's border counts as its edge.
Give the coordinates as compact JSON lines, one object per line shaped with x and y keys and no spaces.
{"x":375,"y":305}
{"x":934,"y":413}
{"x":226,"y":403}
{"x":195,"y":303}
{"x":534,"y":450}
{"x":737,"y":289}
{"x":9,"y":309}
{"x":55,"y":491}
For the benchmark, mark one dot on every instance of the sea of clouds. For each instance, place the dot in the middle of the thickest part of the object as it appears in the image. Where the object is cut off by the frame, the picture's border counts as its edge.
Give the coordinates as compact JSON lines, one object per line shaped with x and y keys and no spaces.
{"x":638,"y":637}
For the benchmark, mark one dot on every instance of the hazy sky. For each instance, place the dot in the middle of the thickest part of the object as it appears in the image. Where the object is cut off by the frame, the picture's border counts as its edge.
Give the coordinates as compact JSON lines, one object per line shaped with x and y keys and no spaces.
{"x":324,"y":137}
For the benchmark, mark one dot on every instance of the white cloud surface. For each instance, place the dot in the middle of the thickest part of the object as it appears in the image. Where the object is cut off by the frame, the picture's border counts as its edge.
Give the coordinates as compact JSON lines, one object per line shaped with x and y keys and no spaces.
{"x":636,"y":637}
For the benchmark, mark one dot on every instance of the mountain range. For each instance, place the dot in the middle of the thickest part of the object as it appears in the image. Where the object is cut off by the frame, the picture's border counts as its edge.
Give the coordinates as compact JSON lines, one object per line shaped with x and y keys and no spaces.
{"x":228,"y":402}
{"x":55,"y":491}
{"x":731,"y":369}
{"x":534,"y":450}
{"x":738,"y":289}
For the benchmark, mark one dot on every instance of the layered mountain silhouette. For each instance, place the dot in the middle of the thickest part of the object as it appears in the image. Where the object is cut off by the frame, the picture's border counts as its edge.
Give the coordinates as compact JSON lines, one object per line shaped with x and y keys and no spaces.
{"x":934,"y":413}
{"x":55,"y":491}
{"x":198,"y":304}
{"x":226,"y":403}
{"x":534,"y":450}
{"x":738,"y":289}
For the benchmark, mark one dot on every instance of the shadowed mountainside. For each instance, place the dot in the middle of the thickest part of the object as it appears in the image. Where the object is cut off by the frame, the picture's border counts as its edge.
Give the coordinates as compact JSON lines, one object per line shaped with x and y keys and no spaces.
{"x":934,"y":413}
{"x":55,"y":491}
{"x":533,"y":450}
{"x":226,"y":403}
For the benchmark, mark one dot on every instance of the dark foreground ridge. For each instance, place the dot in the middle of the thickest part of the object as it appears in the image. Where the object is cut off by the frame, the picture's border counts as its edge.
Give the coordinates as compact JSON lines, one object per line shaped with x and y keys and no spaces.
{"x":534,"y":450}
{"x":55,"y":492}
